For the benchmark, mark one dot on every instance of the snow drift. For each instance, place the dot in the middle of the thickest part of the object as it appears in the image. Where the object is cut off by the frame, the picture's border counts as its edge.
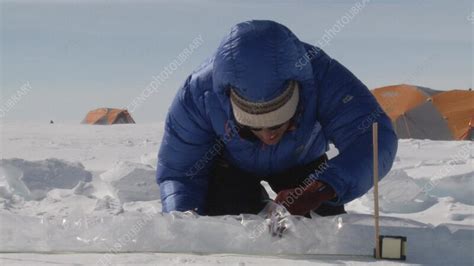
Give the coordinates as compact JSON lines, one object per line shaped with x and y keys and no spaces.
{"x":132,"y":182}
{"x":32,"y":180}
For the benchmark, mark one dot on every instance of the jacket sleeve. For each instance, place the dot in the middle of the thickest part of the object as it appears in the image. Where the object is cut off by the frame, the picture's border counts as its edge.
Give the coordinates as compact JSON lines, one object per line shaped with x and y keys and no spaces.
{"x":346,"y":110}
{"x":183,"y":168}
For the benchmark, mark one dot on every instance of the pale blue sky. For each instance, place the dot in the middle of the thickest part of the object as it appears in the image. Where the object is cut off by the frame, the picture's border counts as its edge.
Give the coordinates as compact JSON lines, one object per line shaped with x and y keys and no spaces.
{"x":82,"y":55}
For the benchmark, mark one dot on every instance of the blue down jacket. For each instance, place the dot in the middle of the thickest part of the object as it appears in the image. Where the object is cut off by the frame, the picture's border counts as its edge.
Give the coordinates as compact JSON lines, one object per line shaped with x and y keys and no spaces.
{"x":257,"y":58}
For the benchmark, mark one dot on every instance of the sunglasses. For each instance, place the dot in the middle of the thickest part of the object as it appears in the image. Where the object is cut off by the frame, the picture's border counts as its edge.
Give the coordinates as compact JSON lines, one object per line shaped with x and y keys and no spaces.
{"x":269,"y":128}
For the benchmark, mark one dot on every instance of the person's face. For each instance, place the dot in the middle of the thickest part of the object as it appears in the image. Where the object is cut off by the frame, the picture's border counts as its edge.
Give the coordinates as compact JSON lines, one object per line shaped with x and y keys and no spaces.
{"x":272,"y":135}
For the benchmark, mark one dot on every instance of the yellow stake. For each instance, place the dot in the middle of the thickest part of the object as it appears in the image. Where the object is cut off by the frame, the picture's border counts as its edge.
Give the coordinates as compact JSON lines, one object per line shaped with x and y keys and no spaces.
{"x":376,"y":188}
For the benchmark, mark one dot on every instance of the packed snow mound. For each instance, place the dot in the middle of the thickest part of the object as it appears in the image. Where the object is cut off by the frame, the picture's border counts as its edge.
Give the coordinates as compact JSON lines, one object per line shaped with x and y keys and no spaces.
{"x":399,"y":193}
{"x":132,"y":182}
{"x":460,"y":187}
{"x":33,"y":179}
{"x":10,"y":182}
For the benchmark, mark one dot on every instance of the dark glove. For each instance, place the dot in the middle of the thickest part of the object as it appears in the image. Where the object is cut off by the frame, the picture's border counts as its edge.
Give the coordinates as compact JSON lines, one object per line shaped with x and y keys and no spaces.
{"x":301,"y":200}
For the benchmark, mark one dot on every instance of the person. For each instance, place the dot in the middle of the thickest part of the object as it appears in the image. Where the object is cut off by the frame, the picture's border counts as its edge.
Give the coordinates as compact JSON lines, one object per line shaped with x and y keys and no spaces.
{"x":266,"y":106}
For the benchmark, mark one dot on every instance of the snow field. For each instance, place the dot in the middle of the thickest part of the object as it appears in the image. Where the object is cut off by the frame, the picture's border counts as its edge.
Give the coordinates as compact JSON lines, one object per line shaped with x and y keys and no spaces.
{"x":79,"y":188}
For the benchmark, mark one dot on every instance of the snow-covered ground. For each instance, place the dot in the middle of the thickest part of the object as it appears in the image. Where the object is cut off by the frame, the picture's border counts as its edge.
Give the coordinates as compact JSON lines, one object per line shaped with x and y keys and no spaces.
{"x":90,"y":191}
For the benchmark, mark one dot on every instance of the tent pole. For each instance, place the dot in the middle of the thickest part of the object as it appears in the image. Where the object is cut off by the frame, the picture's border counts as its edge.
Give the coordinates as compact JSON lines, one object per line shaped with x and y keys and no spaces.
{"x":406,"y":125}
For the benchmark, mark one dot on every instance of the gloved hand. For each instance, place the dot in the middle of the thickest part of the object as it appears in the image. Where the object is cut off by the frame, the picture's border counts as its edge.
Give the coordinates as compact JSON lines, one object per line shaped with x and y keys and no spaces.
{"x":301,"y":200}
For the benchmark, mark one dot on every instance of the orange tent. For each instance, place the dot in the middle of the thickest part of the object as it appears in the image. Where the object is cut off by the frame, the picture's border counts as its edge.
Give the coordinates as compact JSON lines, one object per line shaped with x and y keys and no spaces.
{"x":457,"y":108}
{"x":423,"y":113}
{"x":469,"y":134}
{"x":398,"y":99}
{"x":108,"y":116}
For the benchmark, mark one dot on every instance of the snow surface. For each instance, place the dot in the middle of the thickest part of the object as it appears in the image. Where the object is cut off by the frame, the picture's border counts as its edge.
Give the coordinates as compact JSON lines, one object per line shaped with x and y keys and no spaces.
{"x":90,"y":191}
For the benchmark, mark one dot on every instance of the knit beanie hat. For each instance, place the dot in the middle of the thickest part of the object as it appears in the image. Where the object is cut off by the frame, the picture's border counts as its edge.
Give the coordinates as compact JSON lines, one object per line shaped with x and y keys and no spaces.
{"x":266,"y":114}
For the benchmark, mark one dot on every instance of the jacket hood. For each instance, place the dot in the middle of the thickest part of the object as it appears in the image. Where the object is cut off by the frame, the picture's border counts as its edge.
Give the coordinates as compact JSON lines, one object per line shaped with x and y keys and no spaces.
{"x":257,"y":58}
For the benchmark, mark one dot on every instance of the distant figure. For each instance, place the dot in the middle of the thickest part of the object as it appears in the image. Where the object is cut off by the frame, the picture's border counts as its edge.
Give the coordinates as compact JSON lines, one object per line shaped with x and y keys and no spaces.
{"x":51,"y":122}
{"x":265,"y":107}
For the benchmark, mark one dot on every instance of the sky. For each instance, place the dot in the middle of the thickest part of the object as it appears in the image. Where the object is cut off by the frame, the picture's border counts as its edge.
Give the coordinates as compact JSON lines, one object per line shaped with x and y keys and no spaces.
{"x":60,"y":59}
